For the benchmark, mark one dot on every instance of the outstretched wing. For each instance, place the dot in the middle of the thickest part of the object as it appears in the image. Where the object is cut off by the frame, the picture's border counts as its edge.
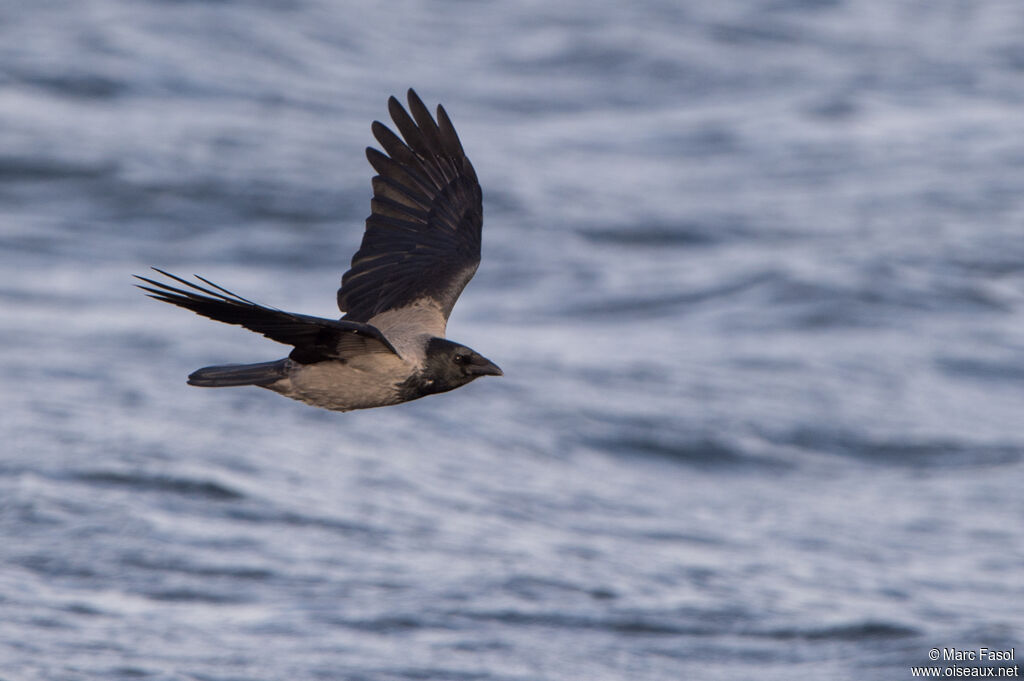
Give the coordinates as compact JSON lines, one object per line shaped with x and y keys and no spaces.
{"x":315,"y":339}
{"x":422,"y":242}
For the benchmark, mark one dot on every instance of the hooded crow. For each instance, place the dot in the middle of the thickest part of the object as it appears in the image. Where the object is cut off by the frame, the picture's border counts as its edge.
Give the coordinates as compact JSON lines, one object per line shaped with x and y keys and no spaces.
{"x":420,"y":249}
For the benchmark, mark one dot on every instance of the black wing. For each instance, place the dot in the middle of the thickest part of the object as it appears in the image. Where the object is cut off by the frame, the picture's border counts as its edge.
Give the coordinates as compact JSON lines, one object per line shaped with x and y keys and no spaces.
{"x":423,"y":237}
{"x":315,"y":339}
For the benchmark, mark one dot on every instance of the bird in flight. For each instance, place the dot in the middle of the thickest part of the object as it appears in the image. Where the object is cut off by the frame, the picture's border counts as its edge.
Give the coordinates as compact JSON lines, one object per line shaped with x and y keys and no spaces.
{"x":420,"y":249}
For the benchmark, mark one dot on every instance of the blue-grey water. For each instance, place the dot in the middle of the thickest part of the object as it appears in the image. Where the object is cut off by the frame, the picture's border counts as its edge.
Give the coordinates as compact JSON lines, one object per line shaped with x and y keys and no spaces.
{"x":754,"y":271}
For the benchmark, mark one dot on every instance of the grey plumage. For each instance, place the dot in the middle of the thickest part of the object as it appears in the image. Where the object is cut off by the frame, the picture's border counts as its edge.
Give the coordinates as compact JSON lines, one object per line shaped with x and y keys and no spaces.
{"x":420,"y":249}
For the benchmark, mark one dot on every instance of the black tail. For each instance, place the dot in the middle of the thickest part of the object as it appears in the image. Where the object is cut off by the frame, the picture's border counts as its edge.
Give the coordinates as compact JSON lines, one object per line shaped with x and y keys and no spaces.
{"x":228,"y":375}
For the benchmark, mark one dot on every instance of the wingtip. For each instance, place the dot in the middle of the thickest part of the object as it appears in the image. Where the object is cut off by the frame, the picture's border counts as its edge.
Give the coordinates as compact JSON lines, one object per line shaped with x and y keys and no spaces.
{"x":166,"y":274}
{"x":147,"y":279}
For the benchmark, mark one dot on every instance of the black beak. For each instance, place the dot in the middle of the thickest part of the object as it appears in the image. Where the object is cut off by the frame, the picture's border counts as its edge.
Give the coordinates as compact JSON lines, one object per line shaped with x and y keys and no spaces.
{"x":481,"y":366}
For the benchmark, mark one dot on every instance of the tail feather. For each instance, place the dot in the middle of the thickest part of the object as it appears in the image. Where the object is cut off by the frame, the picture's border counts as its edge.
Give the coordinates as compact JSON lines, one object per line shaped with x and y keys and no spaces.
{"x":227,"y":375}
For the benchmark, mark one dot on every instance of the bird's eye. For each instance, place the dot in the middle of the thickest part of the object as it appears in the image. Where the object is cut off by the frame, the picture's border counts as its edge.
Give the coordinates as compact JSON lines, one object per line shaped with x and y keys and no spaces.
{"x":461,"y":359}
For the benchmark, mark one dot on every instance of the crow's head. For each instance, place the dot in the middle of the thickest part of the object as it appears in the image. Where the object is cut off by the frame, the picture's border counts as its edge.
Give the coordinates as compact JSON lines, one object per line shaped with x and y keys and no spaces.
{"x":450,"y":365}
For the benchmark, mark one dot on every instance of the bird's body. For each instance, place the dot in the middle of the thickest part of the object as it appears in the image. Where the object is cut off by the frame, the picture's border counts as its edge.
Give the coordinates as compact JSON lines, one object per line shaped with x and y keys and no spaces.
{"x":361,"y":383}
{"x":421,"y":247}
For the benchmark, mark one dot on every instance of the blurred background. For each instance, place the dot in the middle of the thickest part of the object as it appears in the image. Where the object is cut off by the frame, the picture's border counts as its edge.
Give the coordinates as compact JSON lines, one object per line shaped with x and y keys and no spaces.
{"x":754,"y":270}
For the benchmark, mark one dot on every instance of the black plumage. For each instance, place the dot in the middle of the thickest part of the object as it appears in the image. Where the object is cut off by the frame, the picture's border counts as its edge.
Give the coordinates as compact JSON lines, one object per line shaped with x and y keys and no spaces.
{"x":314,"y":338}
{"x":423,"y":237}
